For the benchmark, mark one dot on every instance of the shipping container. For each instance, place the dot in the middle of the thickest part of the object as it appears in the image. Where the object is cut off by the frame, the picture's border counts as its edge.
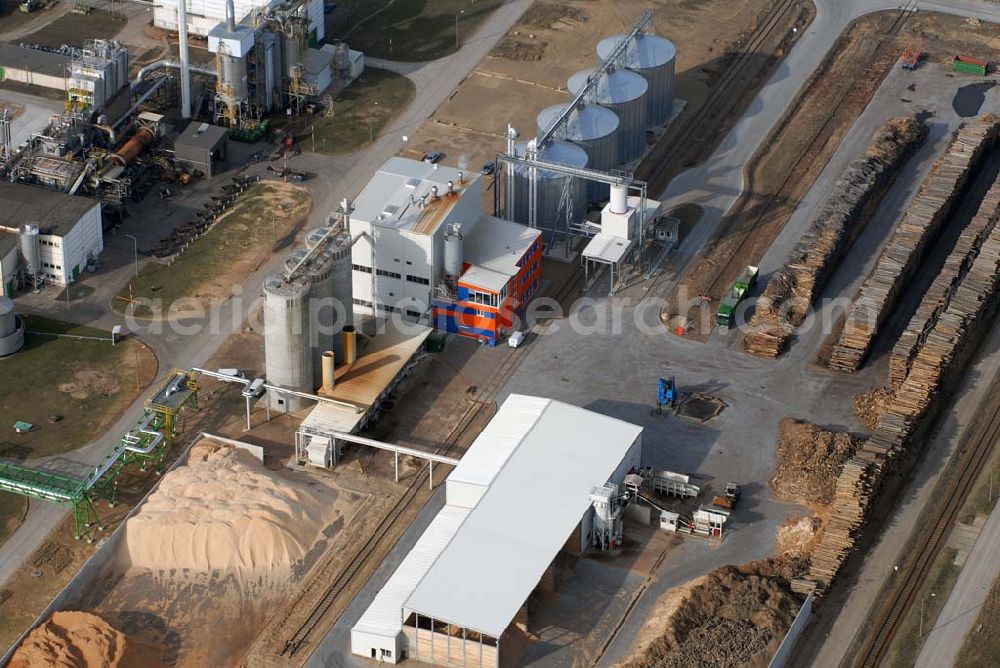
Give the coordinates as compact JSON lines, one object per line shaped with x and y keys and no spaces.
{"x":969,"y":65}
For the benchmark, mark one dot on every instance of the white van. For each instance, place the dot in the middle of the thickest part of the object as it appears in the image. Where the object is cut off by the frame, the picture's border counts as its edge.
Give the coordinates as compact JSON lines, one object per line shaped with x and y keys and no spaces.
{"x":516,"y":339}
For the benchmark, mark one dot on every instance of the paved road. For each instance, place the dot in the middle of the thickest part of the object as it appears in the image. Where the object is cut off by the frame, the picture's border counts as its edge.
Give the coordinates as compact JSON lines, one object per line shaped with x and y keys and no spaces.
{"x":960,"y":612}
{"x":335,"y":178}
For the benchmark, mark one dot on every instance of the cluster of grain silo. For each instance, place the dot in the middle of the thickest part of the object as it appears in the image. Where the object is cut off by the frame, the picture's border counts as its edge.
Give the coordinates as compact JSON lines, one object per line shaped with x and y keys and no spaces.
{"x":305,"y":310}
{"x":653,"y":57}
{"x":595,"y":130}
{"x":623,"y":92}
{"x":550,"y":185}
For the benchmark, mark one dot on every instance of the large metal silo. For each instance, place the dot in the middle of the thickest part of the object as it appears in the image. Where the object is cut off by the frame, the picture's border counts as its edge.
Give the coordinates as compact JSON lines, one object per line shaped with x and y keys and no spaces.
{"x":551,"y":186}
{"x":323,"y":330}
{"x":623,"y":92}
{"x":593,"y":128}
{"x":288,"y":360}
{"x":654,"y":58}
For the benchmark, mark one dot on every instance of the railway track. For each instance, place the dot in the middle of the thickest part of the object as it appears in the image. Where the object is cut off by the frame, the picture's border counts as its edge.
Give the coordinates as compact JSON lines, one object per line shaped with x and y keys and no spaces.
{"x":895,"y":604}
{"x":342,"y":579}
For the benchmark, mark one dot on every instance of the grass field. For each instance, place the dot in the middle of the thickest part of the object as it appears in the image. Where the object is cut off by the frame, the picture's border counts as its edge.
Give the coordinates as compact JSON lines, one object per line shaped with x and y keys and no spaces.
{"x":264,"y":220}
{"x":982,"y":646}
{"x":85,"y":384}
{"x":416,"y":30}
{"x":74,"y":29}
{"x":360,"y":114}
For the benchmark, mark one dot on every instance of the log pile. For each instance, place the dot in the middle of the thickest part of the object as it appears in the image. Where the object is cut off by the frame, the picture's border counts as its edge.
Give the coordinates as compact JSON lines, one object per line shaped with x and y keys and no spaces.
{"x":917,"y":230}
{"x":939,"y":295}
{"x":792,"y":289}
{"x":938,"y":360}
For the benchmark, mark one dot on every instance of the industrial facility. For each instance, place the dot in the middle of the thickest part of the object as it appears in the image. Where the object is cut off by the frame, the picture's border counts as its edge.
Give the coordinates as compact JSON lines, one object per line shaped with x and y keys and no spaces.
{"x":460,"y":595}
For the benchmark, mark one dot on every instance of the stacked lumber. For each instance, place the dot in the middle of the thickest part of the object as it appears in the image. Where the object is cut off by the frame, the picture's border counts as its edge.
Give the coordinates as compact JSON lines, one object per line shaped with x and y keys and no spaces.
{"x":793,"y":288}
{"x":917,"y":230}
{"x":938,"y":361}
{"x":939,"y":295}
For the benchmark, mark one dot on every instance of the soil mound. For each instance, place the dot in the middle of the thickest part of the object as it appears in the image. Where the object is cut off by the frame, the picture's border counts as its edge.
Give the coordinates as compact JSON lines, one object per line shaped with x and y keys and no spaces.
{"x":71,"y":640}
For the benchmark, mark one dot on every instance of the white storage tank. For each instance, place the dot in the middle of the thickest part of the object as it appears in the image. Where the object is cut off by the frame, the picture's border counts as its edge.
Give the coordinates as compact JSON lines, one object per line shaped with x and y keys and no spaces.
{"x":323,"y":329}
{"x":11,"y":330}
{"x":288,"y":360}
{"x":593,"y":128}
{"x":654,"y":58}
{"x":30,"y":249}
{"x":453,"y":251}
{"x":623,"y":92}
{"x":550,"y":186}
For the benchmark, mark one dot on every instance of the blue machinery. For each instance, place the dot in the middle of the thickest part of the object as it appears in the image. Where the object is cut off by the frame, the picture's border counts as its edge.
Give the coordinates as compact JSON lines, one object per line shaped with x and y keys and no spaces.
{"x":666,"y":394}
{"x":145,"y":444}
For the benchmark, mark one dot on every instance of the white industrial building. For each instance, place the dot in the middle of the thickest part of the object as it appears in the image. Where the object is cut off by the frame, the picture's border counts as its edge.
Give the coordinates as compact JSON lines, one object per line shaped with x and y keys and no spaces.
{"x":203,"y":15}
{"x":526,"y":489}
{"x":407,"y":208}
{"x":58,"y":234}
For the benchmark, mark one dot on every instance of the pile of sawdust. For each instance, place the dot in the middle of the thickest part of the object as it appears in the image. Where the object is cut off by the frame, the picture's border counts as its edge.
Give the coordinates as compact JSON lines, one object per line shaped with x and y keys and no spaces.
{"x":88,"y":383}
{"x":868,"y":406}
{"x":797,"y":534}
{"x":224,"y":511}
{"x":809,"y":460}
{"x":736,"y":616}
{"x":71,"y":640}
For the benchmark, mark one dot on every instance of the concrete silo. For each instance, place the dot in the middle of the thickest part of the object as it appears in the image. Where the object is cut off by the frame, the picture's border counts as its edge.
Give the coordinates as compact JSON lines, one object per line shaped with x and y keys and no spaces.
{"x":654,"y":58}
{"x":593,"y":128}
{"x":288,"y":361}
{"x":323,"y":328}
{"x":11,"y":329}
{"x":342,"y":285}
{"x":550,"y":186}
{"x":623,"y":92}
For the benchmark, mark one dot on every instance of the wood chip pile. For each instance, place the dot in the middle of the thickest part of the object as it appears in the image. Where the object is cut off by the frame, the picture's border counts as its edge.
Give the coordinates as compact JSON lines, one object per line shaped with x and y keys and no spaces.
{"x":938,"y":362}
{"x":868,"y":406}
{"x":919,"y":227}
{"x":792,"y":288}
{"x":809,"y":461}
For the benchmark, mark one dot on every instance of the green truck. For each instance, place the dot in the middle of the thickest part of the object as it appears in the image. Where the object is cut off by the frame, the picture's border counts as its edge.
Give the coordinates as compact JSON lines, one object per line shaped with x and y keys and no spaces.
{"x":727,"y":309}
{"x":969,"y":65}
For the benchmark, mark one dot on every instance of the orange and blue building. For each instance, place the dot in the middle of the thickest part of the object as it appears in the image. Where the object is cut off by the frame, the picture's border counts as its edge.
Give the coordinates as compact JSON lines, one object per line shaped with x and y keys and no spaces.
{"x":501,"y":271}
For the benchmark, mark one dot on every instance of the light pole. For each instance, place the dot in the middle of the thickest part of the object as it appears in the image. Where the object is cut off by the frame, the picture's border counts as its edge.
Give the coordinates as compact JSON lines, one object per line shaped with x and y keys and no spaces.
{"x":456,"y":27}
{"x":923,"y":602}
{"x":135,"y":253}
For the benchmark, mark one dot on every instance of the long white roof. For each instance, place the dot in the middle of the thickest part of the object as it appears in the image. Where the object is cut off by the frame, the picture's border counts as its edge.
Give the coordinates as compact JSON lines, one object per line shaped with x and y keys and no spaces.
{"x":486,"y":573}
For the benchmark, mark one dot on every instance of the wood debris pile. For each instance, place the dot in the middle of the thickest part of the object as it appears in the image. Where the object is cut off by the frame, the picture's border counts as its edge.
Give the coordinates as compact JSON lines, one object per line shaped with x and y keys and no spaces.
{"x":868,"y":406}
{"x":788,"y":295}
{"x":939,"y":358}
{"x":809,"y":461}
{"x":930,"y":209}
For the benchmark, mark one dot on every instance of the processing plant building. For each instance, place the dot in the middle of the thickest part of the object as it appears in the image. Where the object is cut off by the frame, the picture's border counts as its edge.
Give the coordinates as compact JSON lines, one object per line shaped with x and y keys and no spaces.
{"x":459,"y":597}
{"x":426,"y":251}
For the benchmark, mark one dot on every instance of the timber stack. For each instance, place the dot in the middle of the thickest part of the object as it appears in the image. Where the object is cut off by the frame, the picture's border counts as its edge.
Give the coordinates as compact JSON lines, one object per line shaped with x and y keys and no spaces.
{"x":937,"y":363}
{"x":792,"y":289}
{"x":916,"y":232}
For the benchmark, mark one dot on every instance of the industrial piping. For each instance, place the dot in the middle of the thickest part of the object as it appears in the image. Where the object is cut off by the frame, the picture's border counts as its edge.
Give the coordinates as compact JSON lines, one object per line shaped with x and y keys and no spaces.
{"x":182,"y":40}
{"x":171,"y":63}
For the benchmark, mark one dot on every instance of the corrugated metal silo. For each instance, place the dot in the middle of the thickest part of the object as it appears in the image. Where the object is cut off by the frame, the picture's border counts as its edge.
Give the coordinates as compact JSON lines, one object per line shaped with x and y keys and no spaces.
{"x":288,"y":361}
{"x":550,"y":186}
{"x":623,"y":92}
{"x":593,"y":128}
{"x":654,"y":58}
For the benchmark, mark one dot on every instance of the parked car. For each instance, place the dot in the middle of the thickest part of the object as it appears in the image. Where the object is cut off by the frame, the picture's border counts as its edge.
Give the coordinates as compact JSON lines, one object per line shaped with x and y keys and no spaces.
{"x":516,"y":339}
{"x":488,"y":168}
{"x":431,"y":158}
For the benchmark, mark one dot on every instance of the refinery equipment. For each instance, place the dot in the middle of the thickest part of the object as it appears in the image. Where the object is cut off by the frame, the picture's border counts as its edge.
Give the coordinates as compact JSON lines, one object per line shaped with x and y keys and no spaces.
{"x":97,"y":73}
{"x":654,"y":58}
{"x":623,"y":92}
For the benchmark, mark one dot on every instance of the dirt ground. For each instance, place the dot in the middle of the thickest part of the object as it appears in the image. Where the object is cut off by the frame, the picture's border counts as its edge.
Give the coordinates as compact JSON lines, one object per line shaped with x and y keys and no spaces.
{"x":786,"y":167}
{"x":733,"y":616}
{"x":555,"y":40}
{"x":74,"y":29}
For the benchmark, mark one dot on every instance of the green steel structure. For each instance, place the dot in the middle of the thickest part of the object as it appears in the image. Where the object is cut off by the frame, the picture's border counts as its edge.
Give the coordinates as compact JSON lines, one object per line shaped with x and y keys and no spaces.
{"x":146,"y":444}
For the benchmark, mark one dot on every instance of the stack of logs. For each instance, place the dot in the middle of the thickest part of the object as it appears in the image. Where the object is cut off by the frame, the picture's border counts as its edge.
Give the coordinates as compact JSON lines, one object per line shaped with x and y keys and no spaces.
{"x":918,"y":229}
{"x":938,"y":360}
{"x":792,"y":288}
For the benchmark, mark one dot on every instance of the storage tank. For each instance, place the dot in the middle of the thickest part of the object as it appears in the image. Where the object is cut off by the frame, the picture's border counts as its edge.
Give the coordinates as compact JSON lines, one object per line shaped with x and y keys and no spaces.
{"x":233,"y":73}
{"x":314,"y":235}
{"x":550,"y":186}
{"x":342,"y":284}
{"x":593,"y":128}
{"x":654,"y":58}
{"x":623,"y":92}
{"x":323,"y":328}
{"x":453,"y":252}
{"x":11,"y":331}
{"x":288,"y":360}
{"x":30,"y":249}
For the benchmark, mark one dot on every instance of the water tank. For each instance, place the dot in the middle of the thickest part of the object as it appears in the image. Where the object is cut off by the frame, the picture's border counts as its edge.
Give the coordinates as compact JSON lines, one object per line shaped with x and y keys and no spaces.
{"x":550,"y":186}
{"x":593,"y":128}
{"x":11,"y":330}
{"x":453,"y":253}
{"x":30,"y":249}
{"x":288,"y":360}
{"x":323,"y":326}
{"x":653,"y":57}
{"x":623,"y":92}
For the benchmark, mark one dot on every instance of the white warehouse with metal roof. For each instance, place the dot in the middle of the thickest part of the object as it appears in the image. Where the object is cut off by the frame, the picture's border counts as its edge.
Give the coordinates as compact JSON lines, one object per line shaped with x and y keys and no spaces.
{"x":458,"y":598}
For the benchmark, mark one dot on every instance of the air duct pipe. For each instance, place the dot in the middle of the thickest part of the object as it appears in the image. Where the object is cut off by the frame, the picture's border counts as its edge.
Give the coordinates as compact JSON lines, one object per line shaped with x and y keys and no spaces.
{"x":329,"y":377}
{"x":230,"y":16}
{"x":619,"y":199}
{"x":350,"y":345}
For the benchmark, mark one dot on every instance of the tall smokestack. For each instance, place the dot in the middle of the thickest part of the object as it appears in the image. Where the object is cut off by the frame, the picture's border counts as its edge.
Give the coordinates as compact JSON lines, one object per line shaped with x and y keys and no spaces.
{"x":230,"y":16}
{"x":182,"y":38}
